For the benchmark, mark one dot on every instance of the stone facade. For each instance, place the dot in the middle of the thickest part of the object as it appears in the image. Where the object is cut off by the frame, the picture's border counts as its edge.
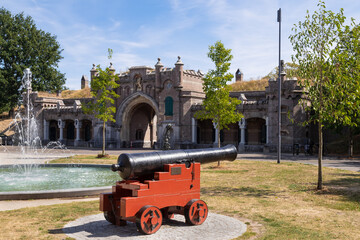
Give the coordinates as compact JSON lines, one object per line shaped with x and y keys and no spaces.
{"x":159,"y":103}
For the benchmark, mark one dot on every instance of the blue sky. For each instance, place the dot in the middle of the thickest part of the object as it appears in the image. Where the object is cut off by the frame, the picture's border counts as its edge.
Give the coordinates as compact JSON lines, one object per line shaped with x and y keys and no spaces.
{"x":140,"y":31}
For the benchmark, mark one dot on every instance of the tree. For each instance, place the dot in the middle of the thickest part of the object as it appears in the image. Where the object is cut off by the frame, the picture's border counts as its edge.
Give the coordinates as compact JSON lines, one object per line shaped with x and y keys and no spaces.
{"x":218,"y":105}
{"x":289,"y":68}
{"x":102,"y":90}
{"x":22,"y":46}
{"x":345,"y":82}
{"x":313,"y":40}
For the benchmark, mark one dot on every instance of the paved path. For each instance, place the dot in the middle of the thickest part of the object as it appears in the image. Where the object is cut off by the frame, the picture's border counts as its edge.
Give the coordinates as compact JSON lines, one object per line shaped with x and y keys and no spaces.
{"x":17,"y":155}
{"x":328,"y":161}
{"x":215,"y":227}
{"x":12,"y":155}
{"x":17,"y":204}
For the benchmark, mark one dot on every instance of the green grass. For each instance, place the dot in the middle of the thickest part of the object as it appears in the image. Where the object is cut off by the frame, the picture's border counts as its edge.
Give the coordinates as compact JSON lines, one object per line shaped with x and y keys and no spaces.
{"x":276,"y":201}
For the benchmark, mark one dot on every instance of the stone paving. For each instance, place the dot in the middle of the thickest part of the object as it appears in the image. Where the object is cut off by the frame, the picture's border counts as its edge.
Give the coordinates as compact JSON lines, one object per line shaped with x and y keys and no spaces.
{"x":215,"y":227}
{"x":13,"y":155}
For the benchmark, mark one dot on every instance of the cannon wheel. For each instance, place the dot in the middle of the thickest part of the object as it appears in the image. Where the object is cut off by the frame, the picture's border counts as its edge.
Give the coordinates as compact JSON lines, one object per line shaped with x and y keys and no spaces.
{"x":149,"y":219}
{"x":195,"y":212}
{"x":110,"y":217}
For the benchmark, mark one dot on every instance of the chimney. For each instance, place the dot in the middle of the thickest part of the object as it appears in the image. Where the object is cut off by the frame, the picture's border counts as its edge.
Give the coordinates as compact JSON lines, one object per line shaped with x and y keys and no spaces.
{"x":239,"y":76}
{"x":84,"y":82}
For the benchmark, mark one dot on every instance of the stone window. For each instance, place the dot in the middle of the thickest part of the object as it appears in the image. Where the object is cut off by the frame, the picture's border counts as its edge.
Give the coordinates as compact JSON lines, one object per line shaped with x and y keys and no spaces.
{"x":169,"y":106}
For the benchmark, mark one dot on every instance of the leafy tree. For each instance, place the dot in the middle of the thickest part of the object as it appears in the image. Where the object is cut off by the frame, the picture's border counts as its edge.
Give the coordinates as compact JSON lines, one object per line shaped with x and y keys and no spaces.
{"x":218,"y":105}
{"x":345,"y":82}
{"x":313,"y":42}
{"x":290,"y":69}
{"x":102,"y":90}
{"x":22,"y":46}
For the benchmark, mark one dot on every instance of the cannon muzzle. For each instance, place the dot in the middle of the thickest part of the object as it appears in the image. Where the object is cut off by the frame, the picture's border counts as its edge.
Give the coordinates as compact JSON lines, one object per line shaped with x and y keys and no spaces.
{"x":144,"y":164}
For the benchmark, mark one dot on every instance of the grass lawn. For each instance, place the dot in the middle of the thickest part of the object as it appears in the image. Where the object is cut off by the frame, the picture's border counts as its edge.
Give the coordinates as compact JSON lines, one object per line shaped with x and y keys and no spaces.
{"x":276,"y":201}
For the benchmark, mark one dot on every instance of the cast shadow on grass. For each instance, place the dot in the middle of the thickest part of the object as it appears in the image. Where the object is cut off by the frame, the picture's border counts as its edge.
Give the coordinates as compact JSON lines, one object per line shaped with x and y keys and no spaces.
{"x":348,"y":187}
{"x":235,"y":192}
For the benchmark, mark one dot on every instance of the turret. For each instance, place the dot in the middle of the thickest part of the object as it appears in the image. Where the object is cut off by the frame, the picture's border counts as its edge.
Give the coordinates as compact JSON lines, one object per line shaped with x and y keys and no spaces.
{"x":158,"y":68}
{"x":179,"y":71}
{"x":93,"y":73}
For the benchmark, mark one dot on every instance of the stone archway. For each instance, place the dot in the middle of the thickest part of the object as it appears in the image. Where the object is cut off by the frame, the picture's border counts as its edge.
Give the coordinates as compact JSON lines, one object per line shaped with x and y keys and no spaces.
{"x":137,"y":117}
{"x":53,"y":130}
{"x":255,"y":131}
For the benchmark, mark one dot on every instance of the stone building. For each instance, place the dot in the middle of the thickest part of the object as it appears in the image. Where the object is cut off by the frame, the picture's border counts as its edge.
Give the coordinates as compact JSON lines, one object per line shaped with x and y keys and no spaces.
{"x":158,"y":104}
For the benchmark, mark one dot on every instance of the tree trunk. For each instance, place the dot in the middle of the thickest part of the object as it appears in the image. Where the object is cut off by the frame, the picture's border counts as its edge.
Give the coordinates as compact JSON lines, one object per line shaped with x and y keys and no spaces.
{"x":103,"y":143}
{"x":351,"y":143}
{"x":319,"y":186}
{"x":219,"y":142}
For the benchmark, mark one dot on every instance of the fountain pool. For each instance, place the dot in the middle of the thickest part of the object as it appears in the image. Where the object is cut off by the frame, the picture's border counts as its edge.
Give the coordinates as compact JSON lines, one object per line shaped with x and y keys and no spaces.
{"x":32,"y":180}
{"x":55,"y":180}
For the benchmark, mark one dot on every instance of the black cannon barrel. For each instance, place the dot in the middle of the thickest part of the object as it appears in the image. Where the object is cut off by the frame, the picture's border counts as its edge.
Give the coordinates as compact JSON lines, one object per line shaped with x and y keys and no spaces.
{"x":144,"y":164}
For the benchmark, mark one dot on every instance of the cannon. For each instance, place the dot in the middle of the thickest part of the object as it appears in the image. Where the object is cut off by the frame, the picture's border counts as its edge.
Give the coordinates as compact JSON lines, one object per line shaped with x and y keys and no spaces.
{"x":157,"y":185}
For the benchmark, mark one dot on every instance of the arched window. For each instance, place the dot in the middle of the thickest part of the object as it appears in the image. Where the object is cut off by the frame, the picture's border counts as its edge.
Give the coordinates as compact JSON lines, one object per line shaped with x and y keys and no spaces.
{"x":169,"y":106}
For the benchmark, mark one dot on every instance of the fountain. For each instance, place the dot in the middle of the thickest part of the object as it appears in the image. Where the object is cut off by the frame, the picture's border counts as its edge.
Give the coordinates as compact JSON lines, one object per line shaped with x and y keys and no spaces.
{"x":28,"y":178}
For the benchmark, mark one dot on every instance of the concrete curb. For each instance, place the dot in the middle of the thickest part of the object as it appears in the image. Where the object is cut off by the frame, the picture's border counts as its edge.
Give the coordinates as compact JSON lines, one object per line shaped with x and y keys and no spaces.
{"x":64,"y":193}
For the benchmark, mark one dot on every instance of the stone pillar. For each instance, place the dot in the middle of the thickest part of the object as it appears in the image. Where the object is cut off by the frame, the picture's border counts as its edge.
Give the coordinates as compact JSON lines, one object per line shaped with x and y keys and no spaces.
{"x":61,"y":125}
{"x":158,"y":67}
{"x":77,"y":124}
{"x":242,"y":125}
{"x":216,"y":135}
{"x":193,"y":130}
{"x":118,"y":138}
{"x":46,"y":130}
{"x":179,"y":72}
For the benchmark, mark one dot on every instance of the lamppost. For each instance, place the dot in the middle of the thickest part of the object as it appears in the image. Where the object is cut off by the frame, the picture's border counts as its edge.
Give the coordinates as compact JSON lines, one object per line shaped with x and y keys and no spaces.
{"x":279,"y":88}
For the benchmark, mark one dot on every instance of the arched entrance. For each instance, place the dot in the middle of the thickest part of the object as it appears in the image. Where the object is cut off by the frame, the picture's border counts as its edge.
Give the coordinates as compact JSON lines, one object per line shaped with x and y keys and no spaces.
{"x":255,"y":131}
{"x":137,"y":117}
{"x":205,"y":132}
{"x":142,"y":132}
{"x":69,"y":132}
{"x":86,"y":130}
{"x":53,"y":130}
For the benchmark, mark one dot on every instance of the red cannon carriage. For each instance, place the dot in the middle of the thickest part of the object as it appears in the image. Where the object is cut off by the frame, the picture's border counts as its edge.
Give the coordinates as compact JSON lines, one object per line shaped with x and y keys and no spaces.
{"x":158,"y":185}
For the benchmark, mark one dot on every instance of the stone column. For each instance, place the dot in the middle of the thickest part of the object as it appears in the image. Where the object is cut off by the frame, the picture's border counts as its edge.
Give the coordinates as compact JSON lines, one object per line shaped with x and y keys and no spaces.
{"x":242,"y":125}
{"x":118,"y":138}
{"x":216,"y":135}
{"x":46,"y":130}
{"x":193,"y":130}
{"x":77,"y":124}
{"x":61,"y":125}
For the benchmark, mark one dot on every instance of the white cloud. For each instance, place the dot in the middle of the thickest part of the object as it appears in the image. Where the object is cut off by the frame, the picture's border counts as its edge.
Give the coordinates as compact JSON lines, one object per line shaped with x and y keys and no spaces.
{"x":178,"y":27}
